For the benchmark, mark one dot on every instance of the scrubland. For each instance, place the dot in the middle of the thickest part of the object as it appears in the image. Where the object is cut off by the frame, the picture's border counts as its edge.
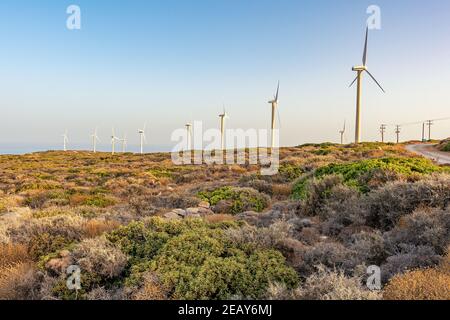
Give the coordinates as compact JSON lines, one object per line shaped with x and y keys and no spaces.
{"x":142,"y":228}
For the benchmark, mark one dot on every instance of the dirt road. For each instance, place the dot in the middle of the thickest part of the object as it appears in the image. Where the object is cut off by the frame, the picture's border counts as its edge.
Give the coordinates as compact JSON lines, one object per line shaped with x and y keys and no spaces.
{"x":429,"y":151}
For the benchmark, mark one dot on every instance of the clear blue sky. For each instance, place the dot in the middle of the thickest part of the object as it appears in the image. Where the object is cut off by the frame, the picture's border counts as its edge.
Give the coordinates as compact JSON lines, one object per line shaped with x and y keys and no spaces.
{"x":172,"y":61}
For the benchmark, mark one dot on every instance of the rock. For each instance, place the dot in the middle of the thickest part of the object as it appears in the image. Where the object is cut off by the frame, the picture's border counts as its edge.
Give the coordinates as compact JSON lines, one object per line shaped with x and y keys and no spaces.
{"x":180,"y":212}
{"x":172,"y":215}
{"x":204,"y":204}
{"x":205,"y":212}
{"x":223,"y":206}
{"x":195,"y":215}
{"x":264,"y":219}
{"x":191,"y":211}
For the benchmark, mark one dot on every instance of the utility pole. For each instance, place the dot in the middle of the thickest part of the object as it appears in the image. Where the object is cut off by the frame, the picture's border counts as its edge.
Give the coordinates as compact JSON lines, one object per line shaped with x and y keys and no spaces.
{"x":429,"y":124}
{"x":423,"y":132}
{"x":382,"y":130}
{"x":397,"y":132}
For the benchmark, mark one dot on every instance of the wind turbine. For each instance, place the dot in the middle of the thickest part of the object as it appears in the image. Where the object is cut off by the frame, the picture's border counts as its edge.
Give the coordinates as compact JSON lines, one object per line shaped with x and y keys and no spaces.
{"x":274,"y":104}
{"x":224,"y":116}
{"x":95,"y":138}
{"x":65,"y":140}
{"x":113,"y":141}
{"x":342,"y":132}
{"x":188,"y":130}
{"x":143,"y":138}
{"x":124,"y":143}
{"x":360,"y":70}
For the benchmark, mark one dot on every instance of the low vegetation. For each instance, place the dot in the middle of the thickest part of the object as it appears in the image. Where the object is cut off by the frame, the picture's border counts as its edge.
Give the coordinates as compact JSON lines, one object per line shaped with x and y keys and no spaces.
{"x":141,"y":228}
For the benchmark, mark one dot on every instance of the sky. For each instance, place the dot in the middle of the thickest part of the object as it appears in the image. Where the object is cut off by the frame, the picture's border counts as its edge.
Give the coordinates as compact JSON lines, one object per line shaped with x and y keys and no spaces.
{"x":168,"y":62}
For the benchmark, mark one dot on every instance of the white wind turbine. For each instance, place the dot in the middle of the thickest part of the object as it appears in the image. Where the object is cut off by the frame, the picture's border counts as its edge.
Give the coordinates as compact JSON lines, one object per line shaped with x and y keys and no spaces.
{"x":224,"y":116}
{"x":143,"y":138}
{"x":342,"y":132}
{"x":189,"y":136}
{"x":124,"y":143}
{"x":65,"y":140}
{"x":360,"y":70}
{"x":113,"y":141}
{"x":274,"y":104}
{"x":95,"y":139}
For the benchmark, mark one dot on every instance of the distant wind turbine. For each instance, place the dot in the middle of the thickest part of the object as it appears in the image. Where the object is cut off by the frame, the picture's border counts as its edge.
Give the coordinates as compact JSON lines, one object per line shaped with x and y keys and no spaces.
{"x":360,"y":70}
{"x":113,"y":141}
{"x":274,"y":104}
{"x":189,"y":136}
{"x":124,"y":143}
{"x":94,"y":138}
{"x":65,"y":140}
{"x":143,"y":138}
{"x":224,"y":116}
{"x":342,"y":132}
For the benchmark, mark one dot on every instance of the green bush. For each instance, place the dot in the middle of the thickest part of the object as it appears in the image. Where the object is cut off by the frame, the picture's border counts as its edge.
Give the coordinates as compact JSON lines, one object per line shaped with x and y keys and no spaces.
{"x":359,"y":174}
{"x":195,"y":260}
{"x":290,"y":172}
{"x":242,"y":199}
{"x":45,"y":243}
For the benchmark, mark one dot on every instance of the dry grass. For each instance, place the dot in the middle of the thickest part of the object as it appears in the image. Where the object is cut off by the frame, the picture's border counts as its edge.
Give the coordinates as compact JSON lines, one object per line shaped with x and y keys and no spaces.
{"x":216,"y":218}
{"x":424,"y":284}
{"x":18,"y":282}
{"x":96,"y":227}
{"x":11,"y":254}
{"x":428,"y":284}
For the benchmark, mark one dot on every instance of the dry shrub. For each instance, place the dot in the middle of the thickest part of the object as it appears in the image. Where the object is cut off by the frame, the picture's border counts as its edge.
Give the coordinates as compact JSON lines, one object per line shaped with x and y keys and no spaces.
{"x":386,"y":206}
{"x":96,"y":227}
{"x":217,"y":218}
{"x":332,"y":255}
{"x":11,"y":254}
{"x":19,"y":281}
{"x":262,"y":238}
{"x":326,"y":284}
{"x":99,"y":256}
{"x":78,"y":199}
{"x":152,"y":289}
{"x":24,"y":229}
{"x":281,"y":190}
{"x":425,"y":227}
{"x":427,"y":284}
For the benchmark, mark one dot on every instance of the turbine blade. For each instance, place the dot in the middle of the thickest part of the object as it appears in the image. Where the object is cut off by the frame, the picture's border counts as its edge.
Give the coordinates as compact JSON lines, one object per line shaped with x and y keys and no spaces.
{"x":375,"y":81}
{"x":278,"y":90}
{"x":365,"y":47}
{"x":353,"y":82}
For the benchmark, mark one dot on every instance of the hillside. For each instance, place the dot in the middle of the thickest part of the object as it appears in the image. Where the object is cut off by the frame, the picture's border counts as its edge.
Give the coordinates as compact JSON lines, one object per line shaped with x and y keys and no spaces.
{"x":142,"y":228}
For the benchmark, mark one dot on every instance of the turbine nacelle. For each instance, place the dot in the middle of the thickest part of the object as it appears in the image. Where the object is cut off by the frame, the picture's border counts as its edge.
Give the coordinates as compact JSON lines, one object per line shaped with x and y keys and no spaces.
{"x":359,"y":68}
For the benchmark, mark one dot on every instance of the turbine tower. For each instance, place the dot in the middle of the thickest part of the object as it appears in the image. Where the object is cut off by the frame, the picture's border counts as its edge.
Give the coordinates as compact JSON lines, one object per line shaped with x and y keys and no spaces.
{"x":65,"y":140}
{"x":95,"y":139}
{"x":274,"y":104}
{"x":113,"y":141}
{"x":188,"y":130}
{"x":360,"y":70}
{"x":124,"y":143}
{"x":143,"y":138}
{"x":342,"y":132}
{"x":224,"y":116}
